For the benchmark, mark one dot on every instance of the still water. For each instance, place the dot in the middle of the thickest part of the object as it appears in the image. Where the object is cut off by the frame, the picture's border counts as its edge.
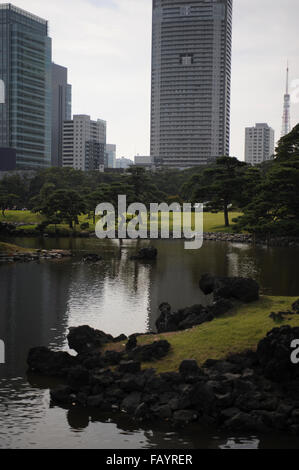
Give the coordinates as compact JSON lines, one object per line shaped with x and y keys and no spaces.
{"x":40,"y":301}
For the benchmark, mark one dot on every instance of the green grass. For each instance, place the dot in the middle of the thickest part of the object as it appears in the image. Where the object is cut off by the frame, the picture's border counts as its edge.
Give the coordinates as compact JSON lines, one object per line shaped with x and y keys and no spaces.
{"x":24,"y":217}
{"x":239,"y":330}
{"x":212,"y":222}
{"x":9,"y":248}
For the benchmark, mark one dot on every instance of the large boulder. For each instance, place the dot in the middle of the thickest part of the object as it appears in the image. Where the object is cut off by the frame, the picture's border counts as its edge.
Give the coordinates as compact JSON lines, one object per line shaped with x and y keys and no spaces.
{"x":84,"y":339}
{"x":150,"y":352}
{"x":207,"y":283}
{"x":50,"y":363}
{"x":274,"y":354}
{"x":239,"y":288}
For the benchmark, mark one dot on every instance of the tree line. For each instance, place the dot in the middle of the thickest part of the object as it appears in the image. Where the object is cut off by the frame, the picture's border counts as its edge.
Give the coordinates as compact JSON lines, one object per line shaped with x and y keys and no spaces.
{"x":266,"y":195}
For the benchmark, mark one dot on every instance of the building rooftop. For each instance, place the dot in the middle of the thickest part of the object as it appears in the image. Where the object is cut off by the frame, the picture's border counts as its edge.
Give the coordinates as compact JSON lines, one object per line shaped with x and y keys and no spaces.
{"x":9,"y":6}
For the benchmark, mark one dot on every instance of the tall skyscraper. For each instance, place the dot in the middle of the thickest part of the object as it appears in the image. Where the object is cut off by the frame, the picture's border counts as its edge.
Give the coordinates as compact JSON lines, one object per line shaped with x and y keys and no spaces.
{"x":191,"y":81}
{"x":61,"y":110}
{"x":286,"y":118}
{"x":259,"y":144}
{"x":78,"y":135}
{"x":25,"y":68}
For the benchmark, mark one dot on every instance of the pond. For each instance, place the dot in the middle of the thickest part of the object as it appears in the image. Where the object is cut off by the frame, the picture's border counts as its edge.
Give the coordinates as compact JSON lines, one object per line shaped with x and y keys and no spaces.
{"x":40,"y":301}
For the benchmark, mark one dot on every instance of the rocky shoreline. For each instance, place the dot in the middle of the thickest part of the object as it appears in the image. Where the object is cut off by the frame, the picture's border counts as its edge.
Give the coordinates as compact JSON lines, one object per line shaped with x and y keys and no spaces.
{"x":37,"y":255}
{"x":254,"y":391}
{"x":249,"y":392}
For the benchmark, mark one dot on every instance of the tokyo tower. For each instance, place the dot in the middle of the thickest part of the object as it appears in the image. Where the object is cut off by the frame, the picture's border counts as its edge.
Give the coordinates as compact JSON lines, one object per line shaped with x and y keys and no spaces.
{"x":286,"y":119}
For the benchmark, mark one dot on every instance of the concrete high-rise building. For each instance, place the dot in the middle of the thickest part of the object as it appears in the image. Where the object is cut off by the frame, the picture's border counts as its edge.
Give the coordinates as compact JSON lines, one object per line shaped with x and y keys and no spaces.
{"x":110,"y":156}
{"x":259,"y":144}
{"x":61,"y":110}
{"x":25,"y":68}
{"x":78,"y":135}
{"x":191,"y":81}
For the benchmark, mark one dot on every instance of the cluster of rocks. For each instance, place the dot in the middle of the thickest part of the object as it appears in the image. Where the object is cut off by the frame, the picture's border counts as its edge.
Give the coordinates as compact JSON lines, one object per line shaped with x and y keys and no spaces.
{"x":288,"y":242}
{"x":227,"y":237}
{"x":226,"y":291}
{"x":37,"y":255}
{"x":279,"y":317}
{"x":248,"y":392}
{"x":147,"y":254}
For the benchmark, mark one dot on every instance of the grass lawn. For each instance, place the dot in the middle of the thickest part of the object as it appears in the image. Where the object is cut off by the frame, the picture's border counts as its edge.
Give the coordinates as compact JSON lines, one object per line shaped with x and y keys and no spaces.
{"x":237,"y":331}
{"x":212,"y":222}
{"x":8,"y":248}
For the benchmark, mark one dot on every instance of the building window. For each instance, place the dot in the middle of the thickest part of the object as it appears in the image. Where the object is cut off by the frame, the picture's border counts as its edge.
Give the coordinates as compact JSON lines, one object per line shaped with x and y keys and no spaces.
{"x":186,"y":59}
{"x":186,"y":11}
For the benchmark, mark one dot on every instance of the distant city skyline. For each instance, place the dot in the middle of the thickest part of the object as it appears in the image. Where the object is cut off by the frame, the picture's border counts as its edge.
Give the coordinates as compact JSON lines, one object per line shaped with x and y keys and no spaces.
{"x":106,"y":46}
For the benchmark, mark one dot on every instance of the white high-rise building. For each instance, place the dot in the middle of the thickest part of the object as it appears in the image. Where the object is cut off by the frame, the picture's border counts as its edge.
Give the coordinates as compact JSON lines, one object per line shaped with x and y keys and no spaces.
{"x":78,"y":135}
{"x":259,"y":144}
{"x":191,"y":81}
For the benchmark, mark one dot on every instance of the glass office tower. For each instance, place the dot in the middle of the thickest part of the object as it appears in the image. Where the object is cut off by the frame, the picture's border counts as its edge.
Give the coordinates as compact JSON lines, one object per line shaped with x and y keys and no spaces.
{"x":25,"y":68}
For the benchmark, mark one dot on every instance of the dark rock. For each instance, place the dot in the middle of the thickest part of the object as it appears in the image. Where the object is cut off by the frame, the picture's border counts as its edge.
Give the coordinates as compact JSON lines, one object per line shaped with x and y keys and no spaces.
{"x":223,"y":367}
{"x":120,"y":338}
{"x":142,"y":412}
{"x":150,"y":352}
{"x":112,"y":358}
{"x":131,"y":402}
{"x":95,"y":401}
{"x":91,"y":360}
{"x":129,"y":367}
{"x":245,"y":290}
{"x":245,"y":360}
{"x":84,"y":339}
{"x":183,"y":417}
{"x":62,"y":395}
{"x":50,"y":363}
{"x":92,"y":258}
{"x":220,"y":307}
{"x":78,"y":377}
{"x":274,"y":354}
{"x":166,"y":320}
{"x":241,"y":422}
{"x":131,"y":344}
{"x":162,"y":411}
{"x":207,"y":284}
{"x":295,"y":306}
{"x":132,"y":382}
{"x":103,"y":378}
{"x":189,"y":367}
{"x":277,"y":317}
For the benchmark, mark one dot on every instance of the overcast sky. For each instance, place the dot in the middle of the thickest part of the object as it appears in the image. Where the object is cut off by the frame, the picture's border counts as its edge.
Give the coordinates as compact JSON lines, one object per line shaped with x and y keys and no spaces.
{"x":106,"y":45}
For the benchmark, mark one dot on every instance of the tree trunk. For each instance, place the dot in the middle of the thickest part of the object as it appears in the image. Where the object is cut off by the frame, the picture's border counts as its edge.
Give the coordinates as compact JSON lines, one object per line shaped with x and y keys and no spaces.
{"x":71,"y":224}
{"x":226,"y":217}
